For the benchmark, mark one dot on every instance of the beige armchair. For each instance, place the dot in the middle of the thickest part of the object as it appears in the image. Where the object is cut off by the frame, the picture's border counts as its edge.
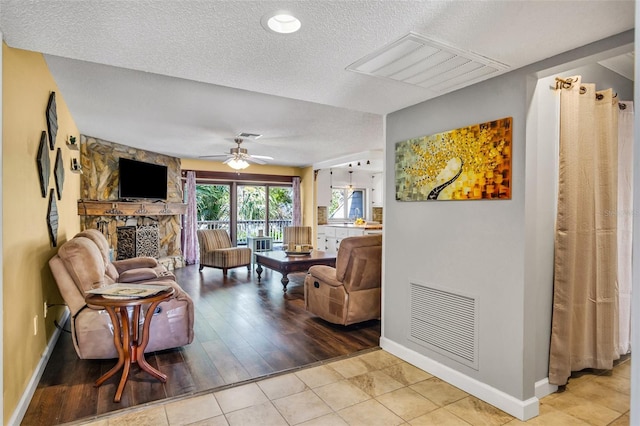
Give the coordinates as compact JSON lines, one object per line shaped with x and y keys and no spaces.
{"x":80,"y":266}
{"x":293,"y":236}
{"x":350,"y":292}
{"x":216,"y":251}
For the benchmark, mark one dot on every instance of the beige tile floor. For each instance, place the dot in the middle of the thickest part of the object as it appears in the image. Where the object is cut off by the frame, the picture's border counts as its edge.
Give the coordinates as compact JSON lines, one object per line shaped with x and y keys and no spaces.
{"x":376,"y":388}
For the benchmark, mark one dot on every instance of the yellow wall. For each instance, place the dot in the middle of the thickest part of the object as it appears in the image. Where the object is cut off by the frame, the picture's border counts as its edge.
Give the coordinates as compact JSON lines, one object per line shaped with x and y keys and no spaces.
{"x":27,"y":280}
{"x":306,"y":179}
{"x":307,"y":193}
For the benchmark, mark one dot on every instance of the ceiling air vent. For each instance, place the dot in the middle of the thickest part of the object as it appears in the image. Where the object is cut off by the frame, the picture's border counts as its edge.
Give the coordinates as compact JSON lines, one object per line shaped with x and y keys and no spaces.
{"x":416,"y":60}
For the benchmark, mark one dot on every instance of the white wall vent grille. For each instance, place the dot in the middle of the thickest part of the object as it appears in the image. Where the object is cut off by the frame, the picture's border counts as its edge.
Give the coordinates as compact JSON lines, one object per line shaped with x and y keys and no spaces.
{"x":417,"y":60}
{"x":445,"y":322}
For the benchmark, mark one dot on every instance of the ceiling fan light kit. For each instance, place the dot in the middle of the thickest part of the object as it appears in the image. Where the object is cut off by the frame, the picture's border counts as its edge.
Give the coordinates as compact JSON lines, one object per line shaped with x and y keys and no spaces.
{"x":239,"y":158}
{"x":237,"y":163}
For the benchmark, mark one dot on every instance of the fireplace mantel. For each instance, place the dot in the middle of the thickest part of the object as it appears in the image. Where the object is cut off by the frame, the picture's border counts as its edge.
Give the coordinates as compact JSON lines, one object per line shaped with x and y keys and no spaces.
{"x":129,"y":208}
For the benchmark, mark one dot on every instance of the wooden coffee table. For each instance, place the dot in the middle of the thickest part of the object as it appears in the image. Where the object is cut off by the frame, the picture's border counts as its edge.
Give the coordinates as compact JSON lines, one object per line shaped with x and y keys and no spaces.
{"x":281,"y":262}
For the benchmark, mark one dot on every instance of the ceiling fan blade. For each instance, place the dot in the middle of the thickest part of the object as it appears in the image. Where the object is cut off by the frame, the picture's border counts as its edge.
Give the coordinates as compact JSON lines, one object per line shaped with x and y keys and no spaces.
{"x":255,"y":160}
{"x":240,"y":153}
{"x":214,"y":156}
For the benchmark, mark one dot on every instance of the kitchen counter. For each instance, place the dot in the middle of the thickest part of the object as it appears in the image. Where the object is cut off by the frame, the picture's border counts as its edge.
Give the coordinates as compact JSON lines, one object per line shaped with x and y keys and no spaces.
{"x":354,"y":226}
{"x":330,"y":235}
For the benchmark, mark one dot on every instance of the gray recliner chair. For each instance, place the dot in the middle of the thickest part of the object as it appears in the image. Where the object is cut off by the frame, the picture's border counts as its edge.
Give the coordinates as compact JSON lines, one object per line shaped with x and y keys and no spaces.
{"x":80,"y":266}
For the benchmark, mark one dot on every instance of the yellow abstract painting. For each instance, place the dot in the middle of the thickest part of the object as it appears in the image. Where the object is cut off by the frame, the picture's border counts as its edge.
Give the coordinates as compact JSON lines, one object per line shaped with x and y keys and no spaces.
{"x":470,"y":163}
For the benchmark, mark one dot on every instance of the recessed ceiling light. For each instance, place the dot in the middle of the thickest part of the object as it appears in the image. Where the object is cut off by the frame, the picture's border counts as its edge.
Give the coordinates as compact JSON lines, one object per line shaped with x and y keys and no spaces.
{"x":281,"y":22}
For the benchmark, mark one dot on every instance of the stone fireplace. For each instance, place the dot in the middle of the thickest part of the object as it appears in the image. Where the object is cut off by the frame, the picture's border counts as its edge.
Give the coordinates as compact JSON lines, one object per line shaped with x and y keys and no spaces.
{"x":156,"y":221}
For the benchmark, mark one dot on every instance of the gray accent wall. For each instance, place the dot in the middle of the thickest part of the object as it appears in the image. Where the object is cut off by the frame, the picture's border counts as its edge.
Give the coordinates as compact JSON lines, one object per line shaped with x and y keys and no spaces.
{"x":485,"y":249}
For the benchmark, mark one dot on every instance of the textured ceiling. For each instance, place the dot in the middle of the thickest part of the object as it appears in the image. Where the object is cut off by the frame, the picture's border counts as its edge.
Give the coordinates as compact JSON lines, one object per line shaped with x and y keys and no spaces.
{"x":184,"y":77}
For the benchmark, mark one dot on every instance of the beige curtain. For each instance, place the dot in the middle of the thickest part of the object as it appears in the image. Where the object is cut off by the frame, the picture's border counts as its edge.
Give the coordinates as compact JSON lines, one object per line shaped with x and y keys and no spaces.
{"x":625,"y":222}
{"x":584,"y":331}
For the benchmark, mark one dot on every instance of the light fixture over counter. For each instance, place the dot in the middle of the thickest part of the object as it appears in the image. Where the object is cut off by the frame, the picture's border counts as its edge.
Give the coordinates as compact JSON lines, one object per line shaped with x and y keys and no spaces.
{"x":371,"y":161}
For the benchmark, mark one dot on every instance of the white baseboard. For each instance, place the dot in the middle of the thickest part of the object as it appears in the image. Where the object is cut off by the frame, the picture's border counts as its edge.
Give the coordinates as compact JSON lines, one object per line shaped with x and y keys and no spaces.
{"x":544,"y":388}
{"x":523,"y":410}
{"x":25,"y":400}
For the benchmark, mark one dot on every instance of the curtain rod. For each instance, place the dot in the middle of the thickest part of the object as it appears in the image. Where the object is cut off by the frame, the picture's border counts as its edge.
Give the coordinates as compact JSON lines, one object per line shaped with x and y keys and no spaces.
{"x":564,"y":83}
{"x":235,"y":176}
{"x":567,"y":83}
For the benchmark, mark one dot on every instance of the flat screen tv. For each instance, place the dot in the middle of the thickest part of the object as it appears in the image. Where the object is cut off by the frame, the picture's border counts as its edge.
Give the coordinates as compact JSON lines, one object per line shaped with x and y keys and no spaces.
{"x":140,"y":180}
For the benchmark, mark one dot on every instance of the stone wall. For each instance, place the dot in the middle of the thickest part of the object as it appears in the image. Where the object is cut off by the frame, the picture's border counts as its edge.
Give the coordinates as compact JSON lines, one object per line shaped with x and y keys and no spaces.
{"x":99,"y":181}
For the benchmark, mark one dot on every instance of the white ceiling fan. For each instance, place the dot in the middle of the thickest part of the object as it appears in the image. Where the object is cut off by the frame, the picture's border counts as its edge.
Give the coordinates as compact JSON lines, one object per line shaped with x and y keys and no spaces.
{"x":238,"y":158}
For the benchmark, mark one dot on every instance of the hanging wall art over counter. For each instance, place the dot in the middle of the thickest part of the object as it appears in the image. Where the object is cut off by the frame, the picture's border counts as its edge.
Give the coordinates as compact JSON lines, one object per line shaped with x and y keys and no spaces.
{"x":470,"y":163}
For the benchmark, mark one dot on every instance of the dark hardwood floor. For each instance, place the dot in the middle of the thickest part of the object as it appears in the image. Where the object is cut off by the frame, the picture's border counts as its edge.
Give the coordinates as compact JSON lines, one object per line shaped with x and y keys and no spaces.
{"x":243,"y":330}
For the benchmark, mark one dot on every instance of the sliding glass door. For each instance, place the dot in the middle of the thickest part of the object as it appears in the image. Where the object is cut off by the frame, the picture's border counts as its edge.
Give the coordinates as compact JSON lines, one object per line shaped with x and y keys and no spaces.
{"x":214,"y":206}
{"x":245,"y":209}
{"x":266,"y":208}
{"x":280,"y":210}
{"x":252,"y":211}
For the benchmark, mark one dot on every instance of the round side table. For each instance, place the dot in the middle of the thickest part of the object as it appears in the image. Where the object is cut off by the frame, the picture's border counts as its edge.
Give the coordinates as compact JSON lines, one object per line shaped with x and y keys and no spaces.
{"x":128,"y":339}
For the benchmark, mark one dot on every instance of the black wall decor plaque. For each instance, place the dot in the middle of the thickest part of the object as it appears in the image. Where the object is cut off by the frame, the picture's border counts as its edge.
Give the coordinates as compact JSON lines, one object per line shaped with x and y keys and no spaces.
{"x":58,"y":173}
{"x":52,"y":219}
{"x":44,"y":166}
{"x":52,"y":120}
